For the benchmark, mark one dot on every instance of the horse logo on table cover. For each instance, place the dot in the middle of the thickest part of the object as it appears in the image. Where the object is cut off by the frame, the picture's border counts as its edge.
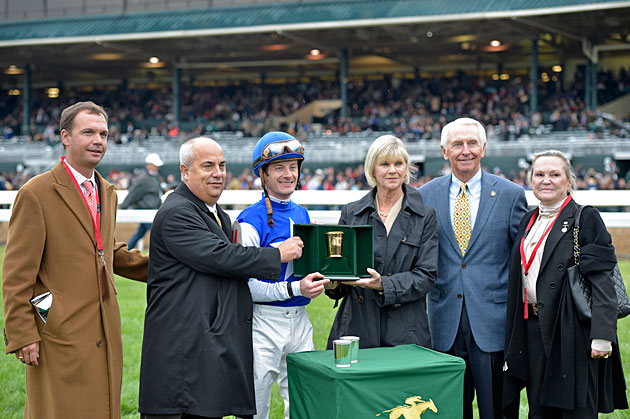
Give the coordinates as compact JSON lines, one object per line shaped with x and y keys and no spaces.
{"x":413,"y":409}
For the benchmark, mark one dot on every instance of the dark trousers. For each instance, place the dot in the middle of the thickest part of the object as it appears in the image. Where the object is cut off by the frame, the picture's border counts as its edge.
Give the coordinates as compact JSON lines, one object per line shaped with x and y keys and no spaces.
{"x":483,"y":373}
{"x":536,"y":364}
{"x":140,"y":232}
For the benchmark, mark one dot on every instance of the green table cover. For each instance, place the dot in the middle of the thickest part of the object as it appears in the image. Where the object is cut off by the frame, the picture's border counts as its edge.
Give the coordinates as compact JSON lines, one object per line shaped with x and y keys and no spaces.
{"x":386,"y":383}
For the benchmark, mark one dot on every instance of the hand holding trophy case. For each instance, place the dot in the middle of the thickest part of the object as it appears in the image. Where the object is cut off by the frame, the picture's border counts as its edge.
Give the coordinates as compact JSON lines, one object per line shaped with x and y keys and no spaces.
{"x":339,"y":252}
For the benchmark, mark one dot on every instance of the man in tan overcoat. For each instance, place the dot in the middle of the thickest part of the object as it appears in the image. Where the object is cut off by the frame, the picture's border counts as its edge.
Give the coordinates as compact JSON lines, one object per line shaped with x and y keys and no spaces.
{"x":74,"y":360}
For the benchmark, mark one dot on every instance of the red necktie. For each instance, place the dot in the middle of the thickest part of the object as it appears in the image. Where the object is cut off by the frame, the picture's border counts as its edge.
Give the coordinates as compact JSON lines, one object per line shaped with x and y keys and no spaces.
{"x":90,"y":197}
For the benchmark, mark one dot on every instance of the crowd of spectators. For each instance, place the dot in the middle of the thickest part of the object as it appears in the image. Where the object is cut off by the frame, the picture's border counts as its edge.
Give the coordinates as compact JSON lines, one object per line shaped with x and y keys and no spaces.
{"x":350,"y":178}
{"x":353,"y":178}
{"x":414,"y":109}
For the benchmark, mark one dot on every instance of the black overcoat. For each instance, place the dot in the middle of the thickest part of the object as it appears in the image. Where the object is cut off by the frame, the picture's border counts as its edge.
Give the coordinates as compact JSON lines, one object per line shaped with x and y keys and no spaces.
{"x":566,"y":341}
{"x":197,"y":348}
{"x":407,"y":261}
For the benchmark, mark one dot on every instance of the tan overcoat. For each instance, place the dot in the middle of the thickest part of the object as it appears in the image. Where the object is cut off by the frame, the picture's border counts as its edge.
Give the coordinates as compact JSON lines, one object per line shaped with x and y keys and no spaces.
{"x":52,"y":247}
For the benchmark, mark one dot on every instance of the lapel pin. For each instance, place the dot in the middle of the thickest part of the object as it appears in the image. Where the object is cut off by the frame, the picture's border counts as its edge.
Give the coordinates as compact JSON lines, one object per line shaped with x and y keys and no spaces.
{"x":493,"y":193}
{"x":565,"y":224}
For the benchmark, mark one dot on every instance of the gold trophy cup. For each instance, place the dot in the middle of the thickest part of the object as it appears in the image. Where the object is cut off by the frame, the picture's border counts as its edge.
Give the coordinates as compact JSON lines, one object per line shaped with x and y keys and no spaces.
{"x":334,"y":240}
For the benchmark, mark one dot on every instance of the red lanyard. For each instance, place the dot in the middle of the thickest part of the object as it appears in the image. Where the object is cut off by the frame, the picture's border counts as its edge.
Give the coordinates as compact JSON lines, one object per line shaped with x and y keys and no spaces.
{"x":96,"y":219}
{"x":528,"y":263}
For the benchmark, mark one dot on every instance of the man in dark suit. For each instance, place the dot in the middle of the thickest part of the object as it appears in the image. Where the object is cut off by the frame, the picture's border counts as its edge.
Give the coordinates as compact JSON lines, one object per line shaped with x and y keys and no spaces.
{"x":145,"y":193}
{"x":478,"y":216}
{"x":197,"y":357}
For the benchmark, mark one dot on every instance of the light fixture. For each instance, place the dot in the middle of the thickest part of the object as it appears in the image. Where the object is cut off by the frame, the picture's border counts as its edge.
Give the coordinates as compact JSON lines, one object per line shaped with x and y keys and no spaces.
{"x":495,"y":46}
{"x":107,"y":56}
{"x":52,"y":92}
{"x":13,"y":70}
{"x":557,"y":69}
{"x":462,"y":38}
{"x":495,"y":77}
{"x":14,"y":92}
{"x":504,"y":76}
{"x":154,"y":60}
{"x":465,"y":45}
{"x":545,"y":77}
{"x":429,"y":34}
{"x":315,"y":54}
{"x":274,"y":47}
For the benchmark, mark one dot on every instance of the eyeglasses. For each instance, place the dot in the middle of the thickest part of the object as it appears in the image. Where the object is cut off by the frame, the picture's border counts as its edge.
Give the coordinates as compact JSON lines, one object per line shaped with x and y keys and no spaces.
{"x":281,"y":147}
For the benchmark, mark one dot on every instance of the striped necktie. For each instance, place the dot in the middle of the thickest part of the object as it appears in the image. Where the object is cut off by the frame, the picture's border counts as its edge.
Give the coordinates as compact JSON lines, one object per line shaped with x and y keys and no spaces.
{"x":216,"y":217}
{"x":461,"y":219}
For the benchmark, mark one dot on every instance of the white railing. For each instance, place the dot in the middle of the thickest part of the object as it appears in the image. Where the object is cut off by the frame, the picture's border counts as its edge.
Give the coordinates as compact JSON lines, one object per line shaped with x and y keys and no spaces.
{"x":336,"y":199}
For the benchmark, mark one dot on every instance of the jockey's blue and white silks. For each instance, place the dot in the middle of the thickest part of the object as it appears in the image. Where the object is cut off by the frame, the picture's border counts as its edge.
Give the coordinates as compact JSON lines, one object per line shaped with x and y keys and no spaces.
{"x":255,"y":231}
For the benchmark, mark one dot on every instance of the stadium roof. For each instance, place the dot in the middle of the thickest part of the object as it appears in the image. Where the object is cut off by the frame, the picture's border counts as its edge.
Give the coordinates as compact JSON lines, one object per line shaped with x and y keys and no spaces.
{"x":298,"y":16}
{"x":379,"y":34}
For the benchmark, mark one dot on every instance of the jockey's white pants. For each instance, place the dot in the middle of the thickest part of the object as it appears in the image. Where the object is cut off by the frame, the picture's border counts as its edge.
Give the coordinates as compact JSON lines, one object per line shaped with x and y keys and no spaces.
{"x":276,"y":332}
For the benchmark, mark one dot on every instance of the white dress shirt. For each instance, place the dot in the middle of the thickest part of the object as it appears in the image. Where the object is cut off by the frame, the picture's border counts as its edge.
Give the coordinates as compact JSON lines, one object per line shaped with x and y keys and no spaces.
{"x":80,"y":178}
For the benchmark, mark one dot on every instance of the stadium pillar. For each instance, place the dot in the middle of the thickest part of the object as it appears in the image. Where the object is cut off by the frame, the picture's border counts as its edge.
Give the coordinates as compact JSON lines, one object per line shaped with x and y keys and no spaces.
{"x":26,"y":98}
{"x":587,"y":84}
{"x":593,"y":83}
{"x":590,"y":84}
{"x":533,"y":78}
{"x":343,"y":81}
{"x":177,"y":95}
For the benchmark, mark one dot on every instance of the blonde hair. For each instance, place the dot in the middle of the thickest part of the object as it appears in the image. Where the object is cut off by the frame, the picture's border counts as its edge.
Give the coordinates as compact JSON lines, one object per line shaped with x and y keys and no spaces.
{"x":383,"y":147}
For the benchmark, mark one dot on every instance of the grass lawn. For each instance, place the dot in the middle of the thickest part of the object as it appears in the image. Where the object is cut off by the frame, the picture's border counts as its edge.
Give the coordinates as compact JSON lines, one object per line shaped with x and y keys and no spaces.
{"x":131,"y":297}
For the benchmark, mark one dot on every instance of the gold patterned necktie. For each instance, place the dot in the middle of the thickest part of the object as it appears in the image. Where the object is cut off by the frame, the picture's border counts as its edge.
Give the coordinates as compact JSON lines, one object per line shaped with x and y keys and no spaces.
{"x":461,"y":219}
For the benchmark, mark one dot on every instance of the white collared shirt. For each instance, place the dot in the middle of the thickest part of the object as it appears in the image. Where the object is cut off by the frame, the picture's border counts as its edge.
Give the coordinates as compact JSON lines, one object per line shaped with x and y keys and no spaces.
{"x":474,"y":196}
{"x":80,"y":178}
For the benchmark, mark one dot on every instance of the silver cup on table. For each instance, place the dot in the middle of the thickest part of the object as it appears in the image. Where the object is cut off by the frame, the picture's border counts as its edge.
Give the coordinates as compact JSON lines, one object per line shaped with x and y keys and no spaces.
{"x":342,"y":351}
{"x":354,"y":348}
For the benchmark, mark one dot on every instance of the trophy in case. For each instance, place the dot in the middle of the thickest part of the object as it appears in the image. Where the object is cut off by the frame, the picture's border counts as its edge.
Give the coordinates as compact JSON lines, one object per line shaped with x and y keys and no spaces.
{"x":338,"y":252}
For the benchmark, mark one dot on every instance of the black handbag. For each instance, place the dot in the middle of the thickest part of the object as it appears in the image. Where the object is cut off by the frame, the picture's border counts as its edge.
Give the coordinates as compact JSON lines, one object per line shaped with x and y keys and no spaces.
{"x":581,"y":288}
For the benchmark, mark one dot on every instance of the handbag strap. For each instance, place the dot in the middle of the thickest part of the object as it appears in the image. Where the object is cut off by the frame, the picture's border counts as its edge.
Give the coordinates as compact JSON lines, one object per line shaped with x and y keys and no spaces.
{"x":576,"y":233}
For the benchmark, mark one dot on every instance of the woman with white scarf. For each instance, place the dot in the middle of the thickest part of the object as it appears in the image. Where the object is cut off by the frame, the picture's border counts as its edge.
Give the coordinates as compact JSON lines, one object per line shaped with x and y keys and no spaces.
{"x":570,"y":368}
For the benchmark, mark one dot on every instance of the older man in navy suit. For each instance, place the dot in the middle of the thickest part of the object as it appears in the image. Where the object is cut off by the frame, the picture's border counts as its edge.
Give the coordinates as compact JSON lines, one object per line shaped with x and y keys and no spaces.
{"x":478,"y":216}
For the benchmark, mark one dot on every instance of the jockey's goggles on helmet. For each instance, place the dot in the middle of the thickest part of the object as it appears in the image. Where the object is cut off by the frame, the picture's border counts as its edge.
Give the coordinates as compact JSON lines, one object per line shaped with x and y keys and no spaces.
{"x":279,"y":148}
